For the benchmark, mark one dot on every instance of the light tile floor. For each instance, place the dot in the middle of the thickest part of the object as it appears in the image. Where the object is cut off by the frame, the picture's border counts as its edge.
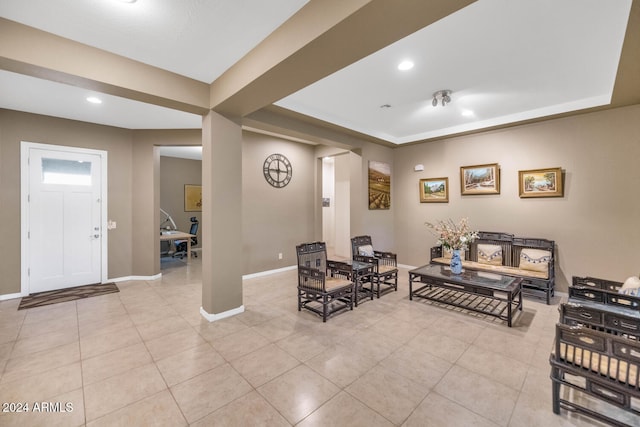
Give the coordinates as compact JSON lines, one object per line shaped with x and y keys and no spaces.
{"x":145,"y":356}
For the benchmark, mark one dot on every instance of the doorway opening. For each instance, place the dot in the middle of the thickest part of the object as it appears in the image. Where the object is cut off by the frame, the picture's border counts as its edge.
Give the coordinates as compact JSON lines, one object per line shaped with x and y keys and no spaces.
{"x":336,"y":196}
{"x":180,"y":178}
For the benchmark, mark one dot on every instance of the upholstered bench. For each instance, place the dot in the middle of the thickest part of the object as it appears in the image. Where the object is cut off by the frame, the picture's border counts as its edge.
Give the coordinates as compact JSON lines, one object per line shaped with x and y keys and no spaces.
{"x":599,"y":364}
{"x":603,"y":305}
{"x":597,"y":349}
{"x":532,"y":259}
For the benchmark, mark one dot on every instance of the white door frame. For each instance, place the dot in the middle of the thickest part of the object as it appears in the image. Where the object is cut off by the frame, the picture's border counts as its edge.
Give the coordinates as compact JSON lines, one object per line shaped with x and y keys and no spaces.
{"x":25,"y":146}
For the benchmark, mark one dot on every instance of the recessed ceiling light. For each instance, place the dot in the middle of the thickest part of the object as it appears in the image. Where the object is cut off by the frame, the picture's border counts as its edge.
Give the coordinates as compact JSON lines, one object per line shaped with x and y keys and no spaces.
{"x":467,"y":113}
{"x":405,"y":65}
{"x":128,"y":1}
{"x":94,"y":100}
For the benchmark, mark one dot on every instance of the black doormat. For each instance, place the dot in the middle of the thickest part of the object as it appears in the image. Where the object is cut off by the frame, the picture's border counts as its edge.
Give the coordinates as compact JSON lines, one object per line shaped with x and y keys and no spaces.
{"x":69,"y":294}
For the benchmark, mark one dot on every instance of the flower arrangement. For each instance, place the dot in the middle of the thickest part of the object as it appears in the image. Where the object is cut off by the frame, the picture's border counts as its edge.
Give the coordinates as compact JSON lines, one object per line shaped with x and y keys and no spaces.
{"x":452,"y":235}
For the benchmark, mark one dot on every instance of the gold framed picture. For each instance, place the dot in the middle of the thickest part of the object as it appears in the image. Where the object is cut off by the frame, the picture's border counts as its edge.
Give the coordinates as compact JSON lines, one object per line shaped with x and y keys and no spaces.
{"x":192,"y":198}
{"x":541,"y":183}
{"x":434,"y":190}
{"x":480,"y":179}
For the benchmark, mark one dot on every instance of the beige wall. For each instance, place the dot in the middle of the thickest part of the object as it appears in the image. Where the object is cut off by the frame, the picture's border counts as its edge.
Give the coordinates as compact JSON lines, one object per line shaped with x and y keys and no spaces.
{"x":146,"y":193}
{"x":16,"y":127}
{"x":377,"y":223}
{"x":595,"y":225}
{"x":275,"y":220}
{"x":133,"y":192}
{"x":174,"y":174}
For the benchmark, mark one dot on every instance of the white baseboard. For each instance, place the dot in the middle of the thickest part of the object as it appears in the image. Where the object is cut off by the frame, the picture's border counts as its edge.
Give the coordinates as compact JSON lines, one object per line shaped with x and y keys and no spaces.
{"x":223,"y":315}
{"x":408,"y":267}
{"x":11,"y":296}
{"x":268,"y":272}
{"x":128,"y":278}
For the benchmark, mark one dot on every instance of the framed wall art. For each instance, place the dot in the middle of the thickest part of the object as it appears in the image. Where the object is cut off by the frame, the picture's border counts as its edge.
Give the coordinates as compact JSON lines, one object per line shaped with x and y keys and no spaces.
{"x":541,"y":183}
{"x":480,"y":179}
{"x":379,"y":185}
{"x":192,"y":198}
{"x":434,"y":190}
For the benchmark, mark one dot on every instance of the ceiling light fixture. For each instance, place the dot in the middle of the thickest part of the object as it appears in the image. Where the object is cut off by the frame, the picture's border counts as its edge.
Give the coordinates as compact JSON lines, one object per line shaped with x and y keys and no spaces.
{"x":444,"y":96}
{"x":94,"y":100}
{"x":128,"y":1}
{"x":405,"y":65}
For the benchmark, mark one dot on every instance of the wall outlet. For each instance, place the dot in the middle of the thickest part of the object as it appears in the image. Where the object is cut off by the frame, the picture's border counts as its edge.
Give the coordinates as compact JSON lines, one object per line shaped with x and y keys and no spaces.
{"x":280,"y":255}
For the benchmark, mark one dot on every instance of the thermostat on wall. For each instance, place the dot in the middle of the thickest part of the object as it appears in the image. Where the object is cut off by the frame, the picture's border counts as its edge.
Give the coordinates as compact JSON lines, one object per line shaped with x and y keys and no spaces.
{"x":418,"y":168}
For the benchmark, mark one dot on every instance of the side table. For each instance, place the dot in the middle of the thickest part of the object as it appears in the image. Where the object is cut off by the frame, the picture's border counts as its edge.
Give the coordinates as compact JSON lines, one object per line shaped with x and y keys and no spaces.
{"x":357,"y":271}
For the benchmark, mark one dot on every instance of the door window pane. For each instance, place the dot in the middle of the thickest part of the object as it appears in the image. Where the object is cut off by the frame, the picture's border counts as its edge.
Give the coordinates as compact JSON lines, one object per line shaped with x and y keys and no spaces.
{"x":67,"y":172}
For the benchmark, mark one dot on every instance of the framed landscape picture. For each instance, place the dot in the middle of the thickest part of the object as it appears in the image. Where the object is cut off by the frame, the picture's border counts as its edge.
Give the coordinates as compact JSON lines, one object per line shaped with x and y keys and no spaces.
{"x":434,"y":190}
{"x":480,"y":179}
{"x":192,"y":198}
{"x":541,"y":183}
{"x":379,"y":185}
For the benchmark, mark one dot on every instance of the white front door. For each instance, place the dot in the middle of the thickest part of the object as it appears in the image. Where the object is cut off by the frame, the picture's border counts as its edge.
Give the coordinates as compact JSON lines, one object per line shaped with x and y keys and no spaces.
{"x":64,"y":235}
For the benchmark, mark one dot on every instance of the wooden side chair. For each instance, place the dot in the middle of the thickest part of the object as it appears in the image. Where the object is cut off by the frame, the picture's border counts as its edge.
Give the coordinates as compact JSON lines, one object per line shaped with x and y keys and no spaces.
{"x":320,"y":290}
{"x":385,"y":272}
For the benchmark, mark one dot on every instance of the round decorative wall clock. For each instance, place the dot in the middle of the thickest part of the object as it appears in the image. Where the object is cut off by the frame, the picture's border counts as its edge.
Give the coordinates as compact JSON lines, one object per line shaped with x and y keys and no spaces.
{"x":277,"y":170}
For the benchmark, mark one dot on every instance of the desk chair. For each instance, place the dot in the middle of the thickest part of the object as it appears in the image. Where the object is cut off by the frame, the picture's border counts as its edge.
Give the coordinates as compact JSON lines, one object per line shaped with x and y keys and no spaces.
{"x":181,"y":245}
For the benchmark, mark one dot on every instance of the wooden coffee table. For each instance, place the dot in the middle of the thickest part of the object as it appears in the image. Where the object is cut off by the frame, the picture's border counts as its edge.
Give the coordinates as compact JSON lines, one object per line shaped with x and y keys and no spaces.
{"x":488,"y":293}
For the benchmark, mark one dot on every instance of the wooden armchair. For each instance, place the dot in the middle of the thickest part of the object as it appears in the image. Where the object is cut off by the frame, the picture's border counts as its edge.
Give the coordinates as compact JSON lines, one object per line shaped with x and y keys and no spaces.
{"x":319,"y":292}
{"x":385,"y":264}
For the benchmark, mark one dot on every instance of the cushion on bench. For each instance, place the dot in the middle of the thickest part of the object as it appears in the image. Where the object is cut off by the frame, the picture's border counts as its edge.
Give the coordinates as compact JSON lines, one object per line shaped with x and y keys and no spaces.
{"x":490,"y":254}
{"x":534,"y":259}
{"x":501,"y":269}
{"x":600,"y":363}
{"x":448,"y":253}
{"x":365,"y":250}
{"x":631,"y":286}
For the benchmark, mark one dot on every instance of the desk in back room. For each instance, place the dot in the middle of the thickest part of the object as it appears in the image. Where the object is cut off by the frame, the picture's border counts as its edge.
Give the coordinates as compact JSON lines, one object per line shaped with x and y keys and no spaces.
{"x":178,"y":235}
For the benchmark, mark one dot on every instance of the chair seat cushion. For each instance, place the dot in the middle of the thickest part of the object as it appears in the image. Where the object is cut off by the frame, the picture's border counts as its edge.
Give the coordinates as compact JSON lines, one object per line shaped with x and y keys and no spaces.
{"x":384,"y":268}
{"x":500,"y":269}
{"x":335,"y":283}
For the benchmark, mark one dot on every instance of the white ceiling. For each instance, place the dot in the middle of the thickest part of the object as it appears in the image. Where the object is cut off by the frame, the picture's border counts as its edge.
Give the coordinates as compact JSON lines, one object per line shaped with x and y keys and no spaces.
{"x":504,"y":60}
{"x":168,"y":34}
{"x":184,"y":152}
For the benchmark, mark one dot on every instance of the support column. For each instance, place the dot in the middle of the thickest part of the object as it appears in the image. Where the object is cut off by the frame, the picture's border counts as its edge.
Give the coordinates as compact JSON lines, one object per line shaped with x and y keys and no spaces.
{"x":221,"y":217}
